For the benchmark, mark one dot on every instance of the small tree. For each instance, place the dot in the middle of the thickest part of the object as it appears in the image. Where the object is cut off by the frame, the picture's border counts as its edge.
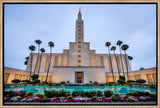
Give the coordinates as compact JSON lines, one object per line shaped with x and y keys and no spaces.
{"x":130,"y":81}
{"x":121,"y":79}
{"x":35,"y":77}
{"x":16,"y":81}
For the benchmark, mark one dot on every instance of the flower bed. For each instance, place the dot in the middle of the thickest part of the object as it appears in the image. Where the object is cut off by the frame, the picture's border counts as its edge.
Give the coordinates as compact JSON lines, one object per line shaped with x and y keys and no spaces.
{"x":77,"y":97}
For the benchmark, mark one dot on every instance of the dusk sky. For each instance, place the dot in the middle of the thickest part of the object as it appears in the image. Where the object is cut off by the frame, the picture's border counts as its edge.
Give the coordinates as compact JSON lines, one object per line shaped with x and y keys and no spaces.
{"x":134,"y":24}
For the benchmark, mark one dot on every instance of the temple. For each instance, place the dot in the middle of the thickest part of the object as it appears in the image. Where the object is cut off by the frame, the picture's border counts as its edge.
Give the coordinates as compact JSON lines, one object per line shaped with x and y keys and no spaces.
{"x":80,"y":64}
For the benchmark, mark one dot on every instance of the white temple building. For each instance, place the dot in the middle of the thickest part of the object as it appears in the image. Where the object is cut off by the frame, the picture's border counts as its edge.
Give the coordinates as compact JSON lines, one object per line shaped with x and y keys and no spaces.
{"x":80,"y":64}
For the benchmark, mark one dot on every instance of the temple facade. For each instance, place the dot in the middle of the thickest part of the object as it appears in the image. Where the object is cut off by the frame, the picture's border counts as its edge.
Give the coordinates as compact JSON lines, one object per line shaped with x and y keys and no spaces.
{"x":78,"y":64}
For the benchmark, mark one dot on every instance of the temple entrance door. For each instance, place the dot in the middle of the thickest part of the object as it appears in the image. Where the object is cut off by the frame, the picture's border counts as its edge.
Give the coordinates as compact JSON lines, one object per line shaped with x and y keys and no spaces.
{"x":79,"y":77}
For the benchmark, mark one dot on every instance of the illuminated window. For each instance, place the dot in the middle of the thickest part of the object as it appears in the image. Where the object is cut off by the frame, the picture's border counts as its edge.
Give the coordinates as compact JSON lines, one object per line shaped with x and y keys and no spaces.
{"x":18,"y":76}
{"x":149,"y":77}
{"x":154,"y":77}
{"x":56,"y":60}
{"x":6,"y":76}
{"x":47,"y":63}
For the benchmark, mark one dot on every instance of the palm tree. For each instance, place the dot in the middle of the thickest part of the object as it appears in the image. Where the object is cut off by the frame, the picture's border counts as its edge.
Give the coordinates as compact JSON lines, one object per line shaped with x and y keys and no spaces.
{"x":37,"y":42}
{"x":25,"y":63}
{"x":111,"y":68}
{"x":32,"y":48}
{"x":124,"y":48}
{"x":42,"y":51}
{"x":50,"y":44}
{"x":130,"y":58}
{"x":113,"y":48}
{"x":119,"y":44}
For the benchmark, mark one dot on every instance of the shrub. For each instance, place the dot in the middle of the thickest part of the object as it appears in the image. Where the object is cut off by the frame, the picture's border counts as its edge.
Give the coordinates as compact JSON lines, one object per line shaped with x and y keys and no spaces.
{"x":75,"y":93}
{"x":117,"y":95}
{"x":95,"y":83}
{"x":153,"y":95}
{"x":64,"y":93}
{"x":82,"y":93}
{"x":114,"y":99}
{"x":108,"y":93}
{"x":35,"y":77}
{"x":45,"y":99}
{"x":136,"y":94}
{"x":87,"y":94}
{"x":130,"y":81}
{"x":30,"y":93}
{"x":140,"y":81}
{"x":120,"y":81}
{"x":146,"y":93}
{"x":51,"y":93}
{"x":122,"y":78}
{"x":70,"y":97}
{"x":16,"y":81}
{"x":62,"y":82}
{"x":68,"y":82}
{"x":39,"y":95}
{"x":99,"y":93}
{"x":36,"y":81}
{"x":27,"y":81}
{"x":92,"y":93}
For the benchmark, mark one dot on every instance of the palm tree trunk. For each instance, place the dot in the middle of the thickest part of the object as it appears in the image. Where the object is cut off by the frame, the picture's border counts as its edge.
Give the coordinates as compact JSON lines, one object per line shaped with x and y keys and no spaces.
{"x":30,"y":67}
{"x":40,"y":63}
{"x":126,"y":64}
{"x":111,"y":65}
{"x":117,"y":63}
{"x":121,"y":60}
{"x":49,"y":63}
{"x":36,"y":61}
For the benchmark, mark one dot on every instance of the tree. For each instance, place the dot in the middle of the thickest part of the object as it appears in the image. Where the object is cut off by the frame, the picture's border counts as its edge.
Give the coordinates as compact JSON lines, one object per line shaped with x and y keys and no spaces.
{"x":50,"y":44}
{"x":25,"y":63}
{"x":141,"y":68}
{"x":113,"y":48}
{"x":119,"y":43}
{"x":130,"y":58}
{"x":37,"y":42}
{"x":124,"y":48}
{"x":111,"y":68}
{"x":42,"y":51}
{"x":121,"y":79}
{"x":32,"y":48}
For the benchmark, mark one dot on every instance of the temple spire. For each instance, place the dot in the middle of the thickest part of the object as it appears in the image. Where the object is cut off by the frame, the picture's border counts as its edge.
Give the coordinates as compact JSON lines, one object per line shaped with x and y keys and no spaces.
{"x":79,"y":14}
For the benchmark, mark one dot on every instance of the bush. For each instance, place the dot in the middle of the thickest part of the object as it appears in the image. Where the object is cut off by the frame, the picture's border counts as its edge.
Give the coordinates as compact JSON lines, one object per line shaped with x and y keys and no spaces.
{"x":99,"y":93}
{"x":36,"y":81}
{"x":108,"y":93}
{"x":16,"y":81}
{"x":45,"y":100}
{"x":122,"y":78}
{"x":140,"y":81}
{"x":130,"y":81}
{"x":30,"y":93}
{"x":62,"y":82}
{"x":87,"y":94}
{"x":120,"y":81}
{"x":117,"y":95}
{"x":39,"y":95}
{"x":92,"y":93}
{"x":75,"y":93}
{"x":114,"y":99}
{"x":51,"y":93}
{"x":95,"y":83}
{"x":27,"y":81}
{"x":82,"y":93}
{"x":63,"y":93}
{"x":153,"y":95}
{"x":35,"y":77}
